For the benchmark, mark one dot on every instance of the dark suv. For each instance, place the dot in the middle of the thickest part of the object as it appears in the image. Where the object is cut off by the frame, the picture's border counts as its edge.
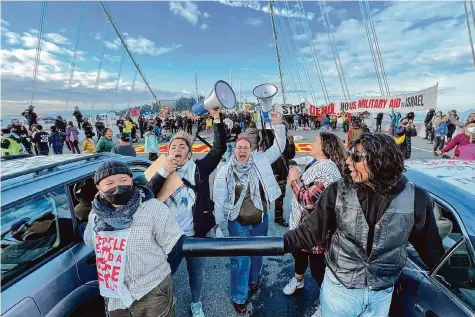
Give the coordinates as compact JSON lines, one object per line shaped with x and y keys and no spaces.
{"x":47,"y":270}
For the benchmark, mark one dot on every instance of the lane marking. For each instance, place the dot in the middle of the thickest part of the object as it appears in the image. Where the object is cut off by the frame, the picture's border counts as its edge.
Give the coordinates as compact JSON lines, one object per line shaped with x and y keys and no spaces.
{"x":418,"y":148}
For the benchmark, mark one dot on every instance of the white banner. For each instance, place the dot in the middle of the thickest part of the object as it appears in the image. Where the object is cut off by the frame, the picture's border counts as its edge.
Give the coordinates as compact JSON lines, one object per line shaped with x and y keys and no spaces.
{"x":418,"y":101}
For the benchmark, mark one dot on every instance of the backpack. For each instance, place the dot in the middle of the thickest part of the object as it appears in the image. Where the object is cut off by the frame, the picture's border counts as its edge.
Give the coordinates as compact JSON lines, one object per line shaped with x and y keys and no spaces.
{"x":356,"y":134}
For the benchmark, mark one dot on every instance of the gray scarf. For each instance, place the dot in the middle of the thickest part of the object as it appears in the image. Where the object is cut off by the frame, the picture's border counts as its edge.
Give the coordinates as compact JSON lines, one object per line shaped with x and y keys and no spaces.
{"x":248,"y":176}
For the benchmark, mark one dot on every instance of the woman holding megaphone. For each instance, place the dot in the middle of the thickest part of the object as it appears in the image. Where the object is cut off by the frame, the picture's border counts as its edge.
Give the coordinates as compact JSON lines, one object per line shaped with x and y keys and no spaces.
{"x":244,"y":189}
{"x":191,"y":204}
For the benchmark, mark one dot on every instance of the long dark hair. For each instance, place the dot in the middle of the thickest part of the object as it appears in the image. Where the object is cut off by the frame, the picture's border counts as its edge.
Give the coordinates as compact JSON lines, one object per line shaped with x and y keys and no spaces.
{"x":333,"y":149}
{"x":384,"y":160}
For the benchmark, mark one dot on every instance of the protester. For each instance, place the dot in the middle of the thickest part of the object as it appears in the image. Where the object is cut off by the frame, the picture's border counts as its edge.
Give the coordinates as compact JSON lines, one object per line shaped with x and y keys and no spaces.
{"x":41,"y":140}
{"x":379,"y":121}
{"x":345,"y":122}
{"x":78,"y":115}
{"x":124,"y":148}
{"x":100,"y":129}
{"x":105,"y":143}
{"x":146,"y":232}
{"x":243,"y":190}
{"x":191,"y":204}
{"x":141,"y":121}
{"x":120,"y":124}
{"x":367,"y":219}
{"x":467,"y":152}
{"x":73,"y":134}
{"x":330,"y":155}
{"x":325,"y":124}
{"x":440,"y":132}
{"x":459,"y":140}
{"x":453,"y":120}
{"x":151,"y":144}
{"x":355,"y":133}
{"x":253,"y":135}
{"x":56,"y":140}
{"x":88,"y":145}
{"x":404,"y":133}
{"x":428,"y":123}
{"x":435,"y":120}
{"x":31,"y":116}
{"x":22,"y":132}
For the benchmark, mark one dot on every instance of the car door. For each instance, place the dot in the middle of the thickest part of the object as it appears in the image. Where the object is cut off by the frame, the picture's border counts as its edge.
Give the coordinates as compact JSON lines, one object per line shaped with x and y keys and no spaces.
{"x":420,"y":293}
{"x":38,"y":270}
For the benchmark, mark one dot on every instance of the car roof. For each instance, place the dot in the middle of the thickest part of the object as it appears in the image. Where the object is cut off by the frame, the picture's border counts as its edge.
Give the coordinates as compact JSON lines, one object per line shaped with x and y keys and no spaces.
{"x":452,"y":181}
{"x":457,"y":173}
{"x":26,"y":184}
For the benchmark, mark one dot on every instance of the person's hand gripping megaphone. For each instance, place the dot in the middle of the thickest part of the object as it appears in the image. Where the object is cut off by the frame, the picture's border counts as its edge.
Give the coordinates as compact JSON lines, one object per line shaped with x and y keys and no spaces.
{"x":214,"y":113}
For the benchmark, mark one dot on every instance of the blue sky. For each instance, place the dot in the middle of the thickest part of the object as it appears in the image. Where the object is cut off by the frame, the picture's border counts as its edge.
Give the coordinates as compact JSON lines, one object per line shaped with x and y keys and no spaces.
{"x":421,"y":43}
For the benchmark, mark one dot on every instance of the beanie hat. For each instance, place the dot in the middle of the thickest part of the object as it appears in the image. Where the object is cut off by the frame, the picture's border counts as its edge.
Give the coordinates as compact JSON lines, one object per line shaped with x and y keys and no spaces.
{"x":112,"y":167}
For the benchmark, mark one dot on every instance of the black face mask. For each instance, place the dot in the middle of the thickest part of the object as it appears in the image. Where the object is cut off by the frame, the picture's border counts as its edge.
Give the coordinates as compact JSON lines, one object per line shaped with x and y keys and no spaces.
{"x":119,"y":195}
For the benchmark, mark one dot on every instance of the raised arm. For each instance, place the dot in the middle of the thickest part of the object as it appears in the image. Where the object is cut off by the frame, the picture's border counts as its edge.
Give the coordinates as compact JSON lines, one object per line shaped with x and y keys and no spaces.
{"x":274,"y":152}
{"x":209,"y":163}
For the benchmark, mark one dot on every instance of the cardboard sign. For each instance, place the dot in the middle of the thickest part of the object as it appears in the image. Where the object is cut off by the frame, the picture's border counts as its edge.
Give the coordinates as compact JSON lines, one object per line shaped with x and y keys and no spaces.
{"x":172,"y":183}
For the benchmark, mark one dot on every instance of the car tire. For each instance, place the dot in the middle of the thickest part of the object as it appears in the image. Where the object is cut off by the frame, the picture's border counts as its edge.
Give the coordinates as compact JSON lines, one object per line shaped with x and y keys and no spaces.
{"x":93,"y":307}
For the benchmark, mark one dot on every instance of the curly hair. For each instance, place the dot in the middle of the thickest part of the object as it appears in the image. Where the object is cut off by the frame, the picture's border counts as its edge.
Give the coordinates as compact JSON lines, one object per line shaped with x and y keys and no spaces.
{"x":333,"y":149}
{"x":384,"y":159}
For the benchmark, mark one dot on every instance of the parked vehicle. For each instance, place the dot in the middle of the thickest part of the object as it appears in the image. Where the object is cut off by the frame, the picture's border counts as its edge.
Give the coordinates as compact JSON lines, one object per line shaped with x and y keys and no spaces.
{"x":448,"y":289}
{"x":46,"y":269}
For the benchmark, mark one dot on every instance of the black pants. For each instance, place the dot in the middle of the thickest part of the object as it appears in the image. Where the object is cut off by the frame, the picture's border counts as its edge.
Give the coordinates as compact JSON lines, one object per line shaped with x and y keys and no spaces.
{"x":317,"y":264}
{"x":378,"y":126}
{"x":279,"y":203}
{"x":152,"y":156}
{"x":439,"y":143}
{"x":189,"y":129}
{"x":121,"y":129}
{"x":75,"y":146}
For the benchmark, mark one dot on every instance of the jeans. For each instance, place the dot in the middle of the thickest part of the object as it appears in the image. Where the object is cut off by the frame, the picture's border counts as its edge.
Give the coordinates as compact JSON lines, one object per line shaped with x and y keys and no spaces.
{"x":245,"y":270}
{"x":196,"y":272}
{"x":337,"y":300}
{"x":439,"y":142}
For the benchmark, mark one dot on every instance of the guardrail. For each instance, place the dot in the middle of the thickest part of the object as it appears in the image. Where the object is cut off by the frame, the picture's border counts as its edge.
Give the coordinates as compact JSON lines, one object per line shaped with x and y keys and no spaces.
{"x":233,"y":246}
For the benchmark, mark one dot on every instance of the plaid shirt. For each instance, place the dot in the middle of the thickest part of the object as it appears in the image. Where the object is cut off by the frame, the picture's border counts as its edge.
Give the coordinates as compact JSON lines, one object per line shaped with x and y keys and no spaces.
{"x":307,"y":196}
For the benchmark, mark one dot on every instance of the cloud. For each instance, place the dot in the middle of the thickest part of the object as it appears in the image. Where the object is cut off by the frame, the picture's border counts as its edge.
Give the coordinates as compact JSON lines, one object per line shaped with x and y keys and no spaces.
{"x":63,"y":30}
{"x":186,"y":92}
{"x":301,"y":37}
{"x":56,"y":38}
{"x":3,"y":22}
{"x":206,"y":15}
{"x":419,"y":48}
{"x":12,"y":37}
{"x":142,"y":46}
{"x":187,"y":10}
{"x":254,"y":21}
{"x":204,"y":26}
{"x":97,"y":36}
{"x":256,"y":6}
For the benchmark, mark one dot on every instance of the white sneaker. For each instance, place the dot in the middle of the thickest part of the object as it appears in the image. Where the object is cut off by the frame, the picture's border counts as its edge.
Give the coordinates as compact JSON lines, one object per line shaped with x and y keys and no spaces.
{"x":318,"y":312}
{"x":197,"y":310}
{"x":293,"y":285}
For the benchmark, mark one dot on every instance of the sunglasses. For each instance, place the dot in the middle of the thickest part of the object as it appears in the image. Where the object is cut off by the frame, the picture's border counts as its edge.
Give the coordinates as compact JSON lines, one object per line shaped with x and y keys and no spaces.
{"x":358,"y":157}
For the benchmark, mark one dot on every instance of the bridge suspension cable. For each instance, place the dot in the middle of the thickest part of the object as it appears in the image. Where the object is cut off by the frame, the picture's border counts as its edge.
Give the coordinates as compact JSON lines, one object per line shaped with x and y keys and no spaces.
{"x":38,"y":49}
{"x":75,"y":53}
{"x":276,"y":44}
{"x":336,"y":55}
{"x":314,"y":54}
{"x":293,"y":61}
{"x":124,"y":44}
{"x":119,"y":73}
{"x":469,"y":28}
{"x":99,"y":68}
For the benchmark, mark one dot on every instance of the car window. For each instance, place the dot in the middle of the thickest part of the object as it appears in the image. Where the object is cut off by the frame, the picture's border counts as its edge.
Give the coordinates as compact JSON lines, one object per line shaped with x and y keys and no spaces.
{"x":457,"y":274}
{"x":32,"y":230}
{"x":138,"y":174}
{"x":449,"y":231}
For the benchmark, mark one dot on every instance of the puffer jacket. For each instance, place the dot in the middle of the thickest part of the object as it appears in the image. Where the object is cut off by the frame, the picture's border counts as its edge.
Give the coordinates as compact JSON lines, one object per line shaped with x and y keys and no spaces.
{"x":253,"y":135}
{"x":72,"y":133}
{"x":263,"y":163}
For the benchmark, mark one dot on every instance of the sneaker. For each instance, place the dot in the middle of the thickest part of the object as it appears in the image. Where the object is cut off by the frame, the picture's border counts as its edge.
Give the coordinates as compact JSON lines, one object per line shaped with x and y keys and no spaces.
{"x":318,"y":312}
{"x":197,"y":310}
{"x":293,"y":285}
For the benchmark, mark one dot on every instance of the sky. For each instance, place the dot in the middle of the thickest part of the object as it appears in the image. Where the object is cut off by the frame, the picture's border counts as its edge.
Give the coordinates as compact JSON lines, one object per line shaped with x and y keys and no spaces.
{"x":421,"y":44}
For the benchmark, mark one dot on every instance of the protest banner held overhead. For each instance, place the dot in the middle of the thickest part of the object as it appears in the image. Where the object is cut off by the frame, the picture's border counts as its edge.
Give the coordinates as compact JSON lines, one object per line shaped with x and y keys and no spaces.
{"x":418,"y":101}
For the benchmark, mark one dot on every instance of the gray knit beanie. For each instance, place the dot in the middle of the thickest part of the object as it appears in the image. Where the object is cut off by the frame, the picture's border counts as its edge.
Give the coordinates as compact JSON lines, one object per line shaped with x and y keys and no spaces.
{"x":112,"y":167}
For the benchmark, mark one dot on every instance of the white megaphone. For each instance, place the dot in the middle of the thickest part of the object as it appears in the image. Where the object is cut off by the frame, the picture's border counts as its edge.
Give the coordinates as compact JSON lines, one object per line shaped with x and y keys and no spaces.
{"x":264,"y":94}
{"x":222,"y":95}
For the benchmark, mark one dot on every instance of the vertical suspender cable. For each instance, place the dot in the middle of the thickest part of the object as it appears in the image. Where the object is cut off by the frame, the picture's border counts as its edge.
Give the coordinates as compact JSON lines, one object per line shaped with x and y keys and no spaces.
{"x":370,"y":41}
{"x":314,"y":54}
{"x":118,"y":77}
{"x":277,"y":50}
{"x":297,"y":45}
{"x":292,"y":58}
{"x":99,"y":68}
{"x":75,"y":53}
{"x":469,"y":32}
{"x":378,"y":52}
{"x":133,"y":85}
{"x":38,"y":49}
